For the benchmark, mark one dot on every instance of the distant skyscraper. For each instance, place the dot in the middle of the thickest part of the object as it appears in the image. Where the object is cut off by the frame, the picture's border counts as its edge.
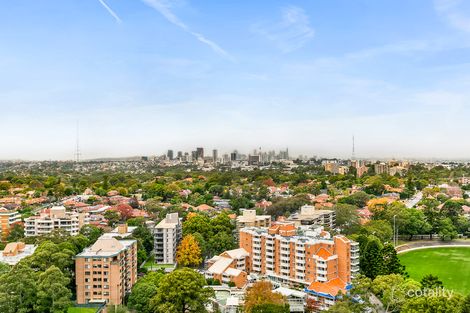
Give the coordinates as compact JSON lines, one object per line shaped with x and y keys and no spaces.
{"x":170,"y":154}
{"x":253,"y":160}
{"x":180,"y":155}
{"x":233,"y":156}
{"x":200,"y":153}
{"x":215,"y":155}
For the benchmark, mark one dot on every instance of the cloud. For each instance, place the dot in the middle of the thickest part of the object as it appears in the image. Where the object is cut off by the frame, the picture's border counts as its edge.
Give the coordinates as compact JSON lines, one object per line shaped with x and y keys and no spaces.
{"x":451,"y":11}
{"x":163,"y":8}
{"x":110,"y":11}
{"x":291,"y":33}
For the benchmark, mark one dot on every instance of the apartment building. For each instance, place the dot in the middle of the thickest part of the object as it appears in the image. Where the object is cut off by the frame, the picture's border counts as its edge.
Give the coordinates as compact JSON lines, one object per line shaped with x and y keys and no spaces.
{"x":167,"y":235}
{"x":55,"y":218}
{"x":380,"y":168}
{"x":7,"y":219}
{"x":309,"y":215}
{"x":306,"y":256}
{"x":106,"y":271}
{"x":250,"y":219}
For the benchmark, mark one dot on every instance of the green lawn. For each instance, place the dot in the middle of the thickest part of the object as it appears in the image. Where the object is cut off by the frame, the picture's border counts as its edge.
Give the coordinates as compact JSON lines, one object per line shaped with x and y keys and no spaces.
{"x":151,"y":264}
{"x":451,"y":265}
{"x":81,"y":310}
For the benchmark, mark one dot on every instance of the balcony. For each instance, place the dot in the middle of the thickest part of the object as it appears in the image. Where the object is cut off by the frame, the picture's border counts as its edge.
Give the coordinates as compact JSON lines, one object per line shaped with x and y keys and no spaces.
{"x":321,"y":272}
{"x":322,"y":278}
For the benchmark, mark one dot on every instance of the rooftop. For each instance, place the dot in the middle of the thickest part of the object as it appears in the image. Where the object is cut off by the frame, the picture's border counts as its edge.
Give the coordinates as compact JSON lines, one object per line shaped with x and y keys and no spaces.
{"x":106,"y":247}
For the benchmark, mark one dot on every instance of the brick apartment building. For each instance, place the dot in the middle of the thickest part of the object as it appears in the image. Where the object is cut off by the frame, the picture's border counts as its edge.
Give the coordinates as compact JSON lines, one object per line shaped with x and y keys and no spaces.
{"x":306,"y":256}
{"x":106,"y":271}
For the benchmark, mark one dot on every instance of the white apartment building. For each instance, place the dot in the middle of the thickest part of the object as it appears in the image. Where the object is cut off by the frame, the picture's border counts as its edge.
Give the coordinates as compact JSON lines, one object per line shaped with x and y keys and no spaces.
{"x":168,"y":234}
{"x":55,"y":218}
{"x":309,"y":215}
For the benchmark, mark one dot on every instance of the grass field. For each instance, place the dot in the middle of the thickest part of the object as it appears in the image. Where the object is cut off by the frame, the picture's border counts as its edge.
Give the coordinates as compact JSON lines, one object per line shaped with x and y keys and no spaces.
{"x":152,"y":265}
{"x":81,"y":310}
{"x":451,"y":265}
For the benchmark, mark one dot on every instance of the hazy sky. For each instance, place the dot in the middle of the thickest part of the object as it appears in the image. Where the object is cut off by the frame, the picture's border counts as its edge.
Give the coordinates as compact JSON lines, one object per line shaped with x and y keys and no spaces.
{"x":143,"y":76}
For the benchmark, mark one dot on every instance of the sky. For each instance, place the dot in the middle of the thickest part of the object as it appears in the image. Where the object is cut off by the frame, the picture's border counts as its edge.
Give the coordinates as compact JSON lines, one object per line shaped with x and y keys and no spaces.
{"x":145,"y":76}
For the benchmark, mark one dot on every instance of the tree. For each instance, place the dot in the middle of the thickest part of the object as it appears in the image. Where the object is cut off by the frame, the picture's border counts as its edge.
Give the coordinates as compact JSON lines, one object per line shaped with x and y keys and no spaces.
{"x":430,"y":282}
{"x":447,"y":230}
{"x":188,"y":253}
{"x":270,"y":308}
{"x":183,"y":290}
{"x":261,"y":293}
{"x":113,"y":217}
{"x":125,"y":211}
{"x":452,"y":209}
{"x":53,"y":295}
{"x":346,"y":215}
{"x":18,"y":290}
{"x":198,"y":223}
{"x":222,"y":223}
{"x":393,"y":290}
{"x":413,"y":222}
{"x":432,"y":304}
{"x":371,"y":260}
{"x":16,"y":233}
{"x":4,"y":268}
{"x":143,"y":233}
{"x":379,"y":228}
{"x":221,"y":242}
{"x":91,"y":232}
{"x":465,"y":305}
{"x":358,"y":199}
{"x":144,"y":290}
{"x":391,"y":263}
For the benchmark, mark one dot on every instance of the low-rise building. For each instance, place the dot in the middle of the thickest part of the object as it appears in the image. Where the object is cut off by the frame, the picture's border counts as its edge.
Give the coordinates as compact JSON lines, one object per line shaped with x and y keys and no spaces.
{"x":55,"y":218}
{"x":15,"y":252}
{"x":106,"y":271}
{"x":167,"y":235}
{"x":309,"y":215}
{"x":295,"y":298}
{"x":229,"y":267}
{"x":121,"y":231}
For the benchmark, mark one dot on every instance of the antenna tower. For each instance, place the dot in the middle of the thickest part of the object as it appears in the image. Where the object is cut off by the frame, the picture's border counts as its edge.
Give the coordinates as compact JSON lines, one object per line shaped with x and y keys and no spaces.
{"x":77,"y":148}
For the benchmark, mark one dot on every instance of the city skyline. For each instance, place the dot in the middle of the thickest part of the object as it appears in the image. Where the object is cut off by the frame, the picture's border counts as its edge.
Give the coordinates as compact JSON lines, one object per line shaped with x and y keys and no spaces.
{"x":146,"y":76}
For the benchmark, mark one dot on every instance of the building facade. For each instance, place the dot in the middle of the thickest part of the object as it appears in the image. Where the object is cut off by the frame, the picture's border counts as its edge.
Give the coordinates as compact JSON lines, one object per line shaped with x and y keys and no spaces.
{"x":250,"y":219}
{"x":309,"y":215}
{"x":106,"y":271}
{"x":7,"y":219}
{"x":167,"y":235}
{"x":55,"y":218}
{"x":229,"y":266}
{"x":305,"y":256}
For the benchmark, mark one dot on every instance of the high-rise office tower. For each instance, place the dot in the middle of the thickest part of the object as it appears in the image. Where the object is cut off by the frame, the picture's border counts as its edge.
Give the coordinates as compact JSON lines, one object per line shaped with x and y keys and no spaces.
{"x":170,"y":154}
{"x":215,"y":155}
{"x":200,"y":153}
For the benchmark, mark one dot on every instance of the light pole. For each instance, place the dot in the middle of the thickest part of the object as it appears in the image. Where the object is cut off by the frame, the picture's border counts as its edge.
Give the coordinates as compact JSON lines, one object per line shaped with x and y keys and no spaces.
{"x":394,"y":231}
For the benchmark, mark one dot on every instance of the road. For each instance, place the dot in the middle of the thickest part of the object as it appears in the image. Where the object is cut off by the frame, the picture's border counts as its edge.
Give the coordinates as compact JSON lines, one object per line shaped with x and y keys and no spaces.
{"x":414,"y":200}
